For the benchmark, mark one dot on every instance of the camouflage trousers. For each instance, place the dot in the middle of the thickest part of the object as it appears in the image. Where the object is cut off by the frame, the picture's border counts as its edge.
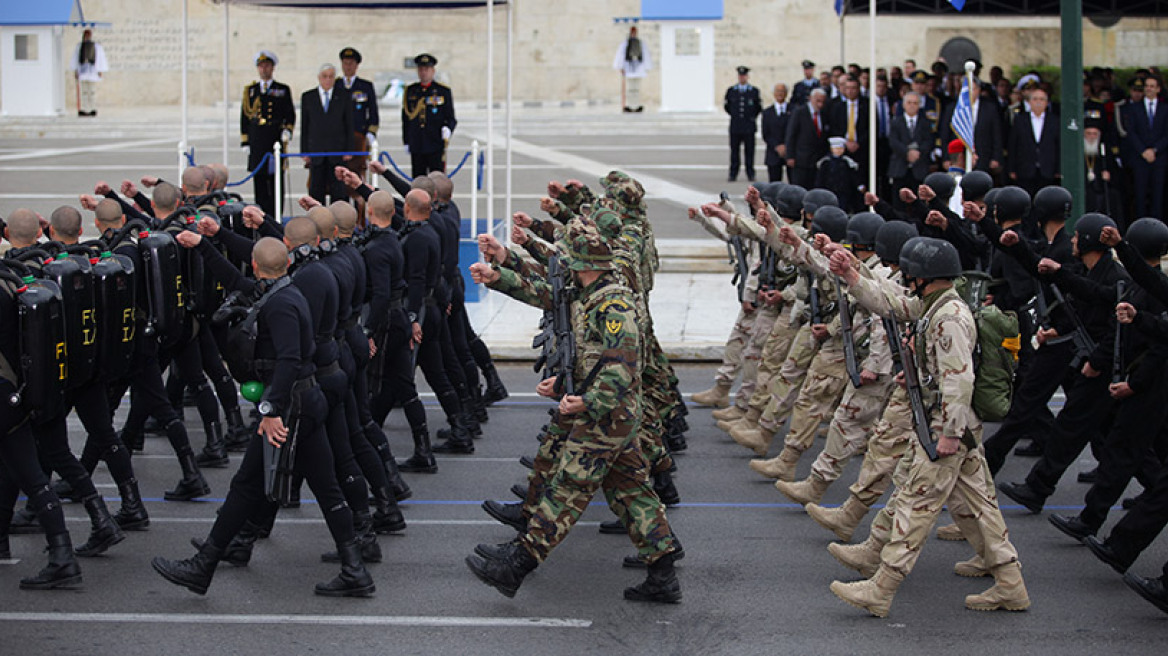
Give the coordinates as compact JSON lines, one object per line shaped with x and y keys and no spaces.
{"x":785,"y":387}
{"x":547,"y":457}
{"x":887,"y":446}
{"x":590,"y":459}
{"x":774,"y":354}
{"x":735,"y":344}
{"x":658,"y":406}
{"x":963,"y":480}
{"x":819,"y":395}
{"x":850,"y":426}
{"x":764,"y":321}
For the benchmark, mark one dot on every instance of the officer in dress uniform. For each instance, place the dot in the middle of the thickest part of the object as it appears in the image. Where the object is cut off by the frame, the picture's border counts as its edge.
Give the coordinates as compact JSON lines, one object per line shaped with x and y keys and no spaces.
{"x":364,"y":106}
{"x":427,"y":119}
{"x":743,"y":104}
{"x":267,"y":115}
{"x":801,"y":90}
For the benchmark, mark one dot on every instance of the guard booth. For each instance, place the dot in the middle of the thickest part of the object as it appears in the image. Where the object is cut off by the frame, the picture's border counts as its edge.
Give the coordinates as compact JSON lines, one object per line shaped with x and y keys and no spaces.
{"x":33,"y":55}
{"x":687,"y":52}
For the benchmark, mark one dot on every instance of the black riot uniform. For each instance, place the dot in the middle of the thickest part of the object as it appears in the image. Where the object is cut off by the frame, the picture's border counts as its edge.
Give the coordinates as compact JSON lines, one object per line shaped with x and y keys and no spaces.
{"x":743,"y":104}
{"x":265,"y":114}
{"x":426,"y":109}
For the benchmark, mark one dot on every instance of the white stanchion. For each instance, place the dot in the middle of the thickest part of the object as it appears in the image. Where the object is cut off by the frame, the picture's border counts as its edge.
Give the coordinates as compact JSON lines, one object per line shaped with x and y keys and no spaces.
{"x":370,"y":176}
{"x":474,"y":190}
{"x":182,"y":155}
{"x":276,"y":150}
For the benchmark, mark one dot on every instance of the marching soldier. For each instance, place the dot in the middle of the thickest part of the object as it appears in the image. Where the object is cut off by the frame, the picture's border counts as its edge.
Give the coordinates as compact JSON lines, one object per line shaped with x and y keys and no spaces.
{"x":363,"y":103}
{"x":743,"y":104}
{"x":427,"y":119}
{"x":267,"y":114}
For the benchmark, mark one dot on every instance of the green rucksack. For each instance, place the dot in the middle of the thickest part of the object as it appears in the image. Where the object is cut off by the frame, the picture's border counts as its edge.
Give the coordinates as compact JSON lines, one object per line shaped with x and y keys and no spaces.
{"x":995,"y":359}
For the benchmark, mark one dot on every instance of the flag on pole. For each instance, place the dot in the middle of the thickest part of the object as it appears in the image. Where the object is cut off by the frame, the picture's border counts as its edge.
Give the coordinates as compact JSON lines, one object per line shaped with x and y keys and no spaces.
{"x":962,"y":122}
{"x":959,"y":4}
{"x":839,"y":7}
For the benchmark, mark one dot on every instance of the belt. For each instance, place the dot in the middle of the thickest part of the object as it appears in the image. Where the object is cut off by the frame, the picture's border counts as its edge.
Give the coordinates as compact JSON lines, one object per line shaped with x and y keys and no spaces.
{"x":328,"y":369}
{"x":304,"y":384}
{"x":324,"y":340}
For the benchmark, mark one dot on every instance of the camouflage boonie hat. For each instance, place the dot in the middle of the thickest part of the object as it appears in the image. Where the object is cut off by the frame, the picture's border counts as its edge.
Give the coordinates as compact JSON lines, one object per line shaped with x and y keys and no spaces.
{"x":588,"y":250}
{"x":606,"y":218}
{"x":624,"y":189}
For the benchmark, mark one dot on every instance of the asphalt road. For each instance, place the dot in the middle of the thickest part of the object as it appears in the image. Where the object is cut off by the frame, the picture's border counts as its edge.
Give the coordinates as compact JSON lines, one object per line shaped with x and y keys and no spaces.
{"x":755,"y":577}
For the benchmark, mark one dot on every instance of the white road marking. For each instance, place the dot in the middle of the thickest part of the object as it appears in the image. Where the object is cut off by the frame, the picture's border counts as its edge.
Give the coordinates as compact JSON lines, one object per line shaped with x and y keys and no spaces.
{"x":308,"y":521}
{"x":74,"y":150}
{"x":16,"y":561}
{"x":314,"y":620}
{"x":161,"y":456}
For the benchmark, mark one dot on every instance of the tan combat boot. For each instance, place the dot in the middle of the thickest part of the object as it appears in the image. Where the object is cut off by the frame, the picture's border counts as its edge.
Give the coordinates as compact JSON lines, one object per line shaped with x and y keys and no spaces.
{"x":807,"y":491}
{"x":951,"y":533}
{"x":717,"y":396}
{"x":760,"y":443}
{"x":744,"y":432}
{"x":863,"y":557}
{"x":732,"y":413}
{"x":843,"y":520}
{"x":972,"y":568}
{"x":788,"y":458}
{"x":1007,"y":593}
{"x":873,"y":595}
{"x":749,"y":419}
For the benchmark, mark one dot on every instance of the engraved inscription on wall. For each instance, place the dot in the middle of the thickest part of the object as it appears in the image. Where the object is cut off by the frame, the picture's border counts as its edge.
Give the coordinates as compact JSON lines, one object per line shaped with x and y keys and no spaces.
{"x":154,"y":44}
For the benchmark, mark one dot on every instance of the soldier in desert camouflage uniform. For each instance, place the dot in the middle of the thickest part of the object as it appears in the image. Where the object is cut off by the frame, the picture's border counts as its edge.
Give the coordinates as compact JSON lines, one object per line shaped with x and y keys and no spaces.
{"x":943,"y":341}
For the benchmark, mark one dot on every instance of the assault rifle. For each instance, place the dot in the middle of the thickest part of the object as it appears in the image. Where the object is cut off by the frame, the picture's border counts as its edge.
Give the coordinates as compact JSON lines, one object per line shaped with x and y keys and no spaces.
{"x":849,"y":339}
{"x":813,"y":299}
{"x":556,"y":325}
{"x":1084,"y":344}
{"x":912,"y":384}
{"x":1117,"y":365}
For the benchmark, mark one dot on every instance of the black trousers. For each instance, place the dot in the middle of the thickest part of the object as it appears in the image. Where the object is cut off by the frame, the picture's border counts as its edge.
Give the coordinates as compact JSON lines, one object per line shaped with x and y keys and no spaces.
{"x":264,"y":184}
{"x":393,"y":367}
{"x":322,"y":181}
{"x":1127,"y":449}
{"x":423,"y":163}
{"x":802,"y":176}
{"x":102,"y":441}
{"x":1139,"y":526}
{"x":746,"y":142}
{"x":775,"y":172}
{"x":335,"y":387}
{"x":1149,"y":181}
{"x":314,"y":461}
{"x":1029,"y":415}
{"x":148,"y":399}
{"x":1085,"y":418}
{"x":21,"y":471}
{"x":52,"y":445}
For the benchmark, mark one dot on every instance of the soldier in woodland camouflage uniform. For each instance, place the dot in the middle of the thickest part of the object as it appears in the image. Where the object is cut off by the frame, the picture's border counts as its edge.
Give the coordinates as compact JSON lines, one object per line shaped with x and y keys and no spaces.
{"x":943,"y":341}
{"x":601,"y":450}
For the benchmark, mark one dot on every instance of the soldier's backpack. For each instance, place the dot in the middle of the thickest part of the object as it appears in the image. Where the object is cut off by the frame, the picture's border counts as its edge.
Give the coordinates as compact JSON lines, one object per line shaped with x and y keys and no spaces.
{"x":116,"y":292}
{"x":73,"y":275}
{"x":995,"y":360}
{"x":43,"y":370}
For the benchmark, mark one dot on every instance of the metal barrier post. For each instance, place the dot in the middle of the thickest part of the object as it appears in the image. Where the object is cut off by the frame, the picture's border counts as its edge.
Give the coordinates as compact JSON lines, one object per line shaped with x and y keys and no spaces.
{"x":369,"y":174}
{"x":474,"y":191}
{"x":182,"y":153}
{"x":276,"y":149}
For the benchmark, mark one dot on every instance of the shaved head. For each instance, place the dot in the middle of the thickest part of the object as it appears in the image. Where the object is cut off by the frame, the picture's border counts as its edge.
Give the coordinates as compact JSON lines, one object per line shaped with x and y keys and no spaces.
{"x":443,"y":186}
{"x":425,"y":183}
{"x":108,"y":214}
{"x":220,"y":180}
{"x":418,"y":204}
{"x":24,"y":228}
{"x":269,"y":258}
{"x":166,"y":198}
{"x":65,"y":222}
{"x":300,"y":230}
{"x":194,"y":181}
{"x":380,"y":208}
{"x":326,"y":223}
{"x":346,"y":216}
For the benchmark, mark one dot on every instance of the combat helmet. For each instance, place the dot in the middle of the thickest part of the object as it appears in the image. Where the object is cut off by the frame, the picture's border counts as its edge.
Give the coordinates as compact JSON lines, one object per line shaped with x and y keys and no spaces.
{"x":1149,"y":237}
{"x":930,"y":259}
{"x":862,"y":231}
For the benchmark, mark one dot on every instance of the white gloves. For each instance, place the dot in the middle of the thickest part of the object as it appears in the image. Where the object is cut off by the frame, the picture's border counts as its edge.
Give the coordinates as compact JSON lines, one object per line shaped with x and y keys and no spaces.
{"x":370,"y":137}
{"x":446,"y":133}
{"x":407,"y":149}
{"x":246,"y":150}
{"x":286,"y":136}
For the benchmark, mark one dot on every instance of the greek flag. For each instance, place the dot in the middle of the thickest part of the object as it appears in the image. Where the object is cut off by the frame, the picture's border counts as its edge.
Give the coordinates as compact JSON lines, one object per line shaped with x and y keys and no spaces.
{"x":962,"y":122}
{"x":959,"y":4}
{"x":839,"y":7}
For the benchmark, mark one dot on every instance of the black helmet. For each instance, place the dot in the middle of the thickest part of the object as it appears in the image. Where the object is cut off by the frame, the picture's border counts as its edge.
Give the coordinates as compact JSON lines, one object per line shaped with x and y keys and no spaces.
{"x":817,"y":198}
{"x":862,"y":230}
{"x":1052,"y":203}
{"x":929,"y":258}
{"x":975,"y":185}
{"x":831,"y":221}
{"x":790,"y":199}
{"x":1149,"y":237}
{"x":1088,"y":228}
{"x":942,"y":184}
{"x":770,"y":193}
{"x":891,"y":238}
{"x":991,"y":202}
{"x":1011,"y":204}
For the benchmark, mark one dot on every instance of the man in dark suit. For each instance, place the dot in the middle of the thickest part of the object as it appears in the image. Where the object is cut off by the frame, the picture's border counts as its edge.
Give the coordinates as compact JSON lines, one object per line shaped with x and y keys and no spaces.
{"x":328,"y":127}
{"x":883,"y":126}
{"x":427,"y":119}
{"x":911,"y":139}
{"x":1146,"y":123}
{"x":364,"y":103}
{"x":806,"y":140}
{"x":988,"y":139}
{"x":848,"y":118}
{"x":743,"y":104}
{"x":266,"y":115}
{"x":802,"y":89}
{"x":774,"y":131}
{"x":1034,"y":146}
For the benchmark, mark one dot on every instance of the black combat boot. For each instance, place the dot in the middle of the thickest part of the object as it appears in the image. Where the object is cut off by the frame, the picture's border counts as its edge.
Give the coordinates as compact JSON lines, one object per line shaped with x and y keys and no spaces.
{"x":510,"y":514}
{"x":496,"y":391}
{"x":661,"y":586}
{"x":238,"y":433}
{"x":1073,"y":526}
{"x":459,"y":440}
{"x":25,"y":522}
{"x":192,"y":485}
{"x":423,"y":458}
{"x":496,"y":551}
{"x":635,"y":562}
{"x":363,"y":528}
{"x":214,"y":454}
{"x":104,"y":531}
{"x":62,"y":571}
{"x":238,"y":551}
{"x":613,"y":527}
{"x":194,"y":573}
{"x":387,"y":517}
{"x":527,"y":461}
{"x":5,"y":520}
{"x":675,"y":434}
{"x":665,"y":489}
{"x":1025,"y":495}
{"x":519,"y":491}
{"x":132,"y":515}
{"x":354,"y":579}
{"x":480,"y":405}
{"x":397,"y":485}
{"x":506,"y":573}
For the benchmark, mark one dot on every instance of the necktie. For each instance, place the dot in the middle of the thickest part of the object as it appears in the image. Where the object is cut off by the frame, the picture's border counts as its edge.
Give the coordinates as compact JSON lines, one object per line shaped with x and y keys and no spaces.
{"x":883,"y":116}
{"x":326,"y":101}
{"x":912,"y":124}
{"x":851,"y":120}
{"x":1151,"y":111}
{"x":264,"y":88}
{"x":818,"y":130}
